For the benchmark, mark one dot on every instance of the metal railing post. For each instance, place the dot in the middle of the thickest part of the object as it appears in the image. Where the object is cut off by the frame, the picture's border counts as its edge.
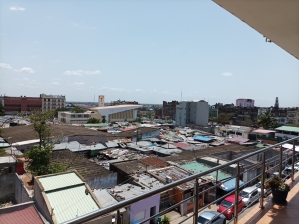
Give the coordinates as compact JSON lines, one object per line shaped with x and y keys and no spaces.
{"x":118,"y":220}
{"x":195,"y":208}
{"x":293,"y":161}
{"x":263,"y":180}
{"x":237,"y":194}
{"x":280,"y":161}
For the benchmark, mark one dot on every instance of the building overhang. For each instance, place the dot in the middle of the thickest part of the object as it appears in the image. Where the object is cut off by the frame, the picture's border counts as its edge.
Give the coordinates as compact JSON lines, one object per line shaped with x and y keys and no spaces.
{"x":277,"y":20}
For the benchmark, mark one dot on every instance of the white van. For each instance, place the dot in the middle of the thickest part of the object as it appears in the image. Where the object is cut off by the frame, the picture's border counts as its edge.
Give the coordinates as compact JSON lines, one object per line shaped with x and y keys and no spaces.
{"x":249,"y":195}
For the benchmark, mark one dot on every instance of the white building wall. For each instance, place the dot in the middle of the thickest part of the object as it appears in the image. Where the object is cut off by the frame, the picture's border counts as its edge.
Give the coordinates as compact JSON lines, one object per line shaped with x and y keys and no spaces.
{"x":181,"y":114}
{"x":202,"y":114}
{"x":196,"y":112}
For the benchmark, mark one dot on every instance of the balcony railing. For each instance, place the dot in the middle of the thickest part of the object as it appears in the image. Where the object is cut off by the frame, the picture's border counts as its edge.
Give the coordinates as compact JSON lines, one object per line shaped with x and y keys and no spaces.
{"x":278,"y":160}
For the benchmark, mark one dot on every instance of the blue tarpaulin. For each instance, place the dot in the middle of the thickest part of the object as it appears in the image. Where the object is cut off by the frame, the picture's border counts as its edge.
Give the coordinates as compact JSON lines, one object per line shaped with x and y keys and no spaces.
{"x":202,"y":138}
{"x":230,"y":185}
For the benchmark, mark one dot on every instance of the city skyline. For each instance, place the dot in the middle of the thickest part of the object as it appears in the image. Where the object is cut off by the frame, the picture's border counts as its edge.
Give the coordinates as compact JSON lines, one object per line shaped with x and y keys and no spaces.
{"x":142,"y":51}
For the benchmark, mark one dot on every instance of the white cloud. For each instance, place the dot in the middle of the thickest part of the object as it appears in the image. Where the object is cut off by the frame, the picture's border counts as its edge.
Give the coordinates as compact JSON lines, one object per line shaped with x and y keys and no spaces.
{"x":139,"y":90}
{"x":114,"y":89}
{"x":165,"y":92}
{"x":81,"y":72}
{"x":56,"y":79}
{"x":78,"y":83}
{"x":25,"y":69}
{"x":16,"y":8}
{"x":55,"y":83}
{"x":227,"y":74}
{"x":4,"y":65}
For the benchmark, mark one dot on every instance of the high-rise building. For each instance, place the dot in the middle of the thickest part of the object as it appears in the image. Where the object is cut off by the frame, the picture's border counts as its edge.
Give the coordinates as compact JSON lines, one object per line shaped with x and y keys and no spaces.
{"x":192,"y":112}
{"x":52,"y":102}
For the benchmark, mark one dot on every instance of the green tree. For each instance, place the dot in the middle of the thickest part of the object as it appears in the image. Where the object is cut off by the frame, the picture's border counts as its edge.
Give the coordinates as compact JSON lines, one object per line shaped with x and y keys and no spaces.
{"x":265,"y":120}
{"x":39,"y":159}
{"x":39,"y":122}
{"x":77,"y":109}
{"x":246,"y":122}
{"x":103,"y":119}
{"x":2,"y":113}
{"x":138,"y":119}
{"x":224,"y":118}
{"x":149,"y":114}
{"x":93,"y":120}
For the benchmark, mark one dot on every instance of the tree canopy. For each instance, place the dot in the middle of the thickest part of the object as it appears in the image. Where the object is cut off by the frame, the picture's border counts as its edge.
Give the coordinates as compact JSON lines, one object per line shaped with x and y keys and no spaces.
{"x":77,"y":109}
{"x":222,"y":118}
{"x":266,"y":120}
{"x":39,"y":121}
{"x":103,"y":119}
{"x":93,"y":120}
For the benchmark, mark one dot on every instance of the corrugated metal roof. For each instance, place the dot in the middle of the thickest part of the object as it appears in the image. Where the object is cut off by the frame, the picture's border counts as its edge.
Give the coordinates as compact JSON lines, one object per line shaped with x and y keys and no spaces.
{"x":60,"y":181}
{"x":22,"y":213}
{"x":69,"y":203}
{"x":288,"y":128}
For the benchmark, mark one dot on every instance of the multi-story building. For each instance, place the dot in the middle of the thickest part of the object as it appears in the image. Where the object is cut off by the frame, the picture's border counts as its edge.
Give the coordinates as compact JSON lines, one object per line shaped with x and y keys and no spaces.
{"x":75,"y":118}
{"x":169,"y":110}
{"x":293,"y":116}
{"x":192,"y":112}
{"x":13,"y":105}
{"x":244,"y":103}
{"x":52,"y":102}
{"x":280,"y":115}
{"x":213,"y":111}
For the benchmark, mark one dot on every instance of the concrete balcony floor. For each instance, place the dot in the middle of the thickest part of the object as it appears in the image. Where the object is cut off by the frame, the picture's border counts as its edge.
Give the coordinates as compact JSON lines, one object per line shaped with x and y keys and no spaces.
{"x":276,"y":214}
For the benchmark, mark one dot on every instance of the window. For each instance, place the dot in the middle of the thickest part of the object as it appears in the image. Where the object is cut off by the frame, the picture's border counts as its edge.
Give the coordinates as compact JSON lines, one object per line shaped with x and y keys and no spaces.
{"x":139,"y":216}
{"x":254,"y":193}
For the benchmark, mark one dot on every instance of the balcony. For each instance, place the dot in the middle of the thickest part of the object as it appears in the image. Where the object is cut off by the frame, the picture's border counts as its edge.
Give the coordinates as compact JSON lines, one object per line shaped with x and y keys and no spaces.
{"x":276,"y":214}
{"x":271,"y":159}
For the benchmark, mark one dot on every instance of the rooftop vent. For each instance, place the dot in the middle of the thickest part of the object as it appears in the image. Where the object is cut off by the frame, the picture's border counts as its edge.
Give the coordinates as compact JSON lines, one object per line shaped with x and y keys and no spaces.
{"x":168,"y":179}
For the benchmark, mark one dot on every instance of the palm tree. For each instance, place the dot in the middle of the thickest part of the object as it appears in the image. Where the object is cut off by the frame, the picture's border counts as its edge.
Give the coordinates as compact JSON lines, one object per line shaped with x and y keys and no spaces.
{"x":265,"y":120}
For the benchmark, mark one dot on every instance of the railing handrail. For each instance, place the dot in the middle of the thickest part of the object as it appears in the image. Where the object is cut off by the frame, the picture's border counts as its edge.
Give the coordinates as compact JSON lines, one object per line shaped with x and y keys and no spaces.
{"x":129,"y":201}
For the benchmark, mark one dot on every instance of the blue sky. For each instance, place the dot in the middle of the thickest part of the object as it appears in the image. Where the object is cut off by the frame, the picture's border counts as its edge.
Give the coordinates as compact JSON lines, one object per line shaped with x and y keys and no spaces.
{"x":147,"y":51}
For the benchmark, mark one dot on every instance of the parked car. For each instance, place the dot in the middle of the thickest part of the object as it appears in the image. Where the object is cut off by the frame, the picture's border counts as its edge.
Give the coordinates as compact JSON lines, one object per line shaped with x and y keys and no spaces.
{"x":283,"y":176}
{"x":227,"y":206}
{"x":249,"y":195}
{"x":266,"y":191}
{"x":211,"y":217}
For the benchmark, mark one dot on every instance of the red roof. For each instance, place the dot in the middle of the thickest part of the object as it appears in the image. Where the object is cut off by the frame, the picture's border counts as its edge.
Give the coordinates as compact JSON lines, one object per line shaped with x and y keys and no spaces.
{"x":19,"y":214}
{"x":155,"y":162}
{"x":181,"y":145}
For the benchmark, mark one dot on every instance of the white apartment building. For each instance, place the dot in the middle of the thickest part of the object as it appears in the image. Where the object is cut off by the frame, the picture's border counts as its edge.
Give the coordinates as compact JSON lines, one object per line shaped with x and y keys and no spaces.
{"x":74,"y":118}
{"x":52,"y":102}
{"x":192,"y":112}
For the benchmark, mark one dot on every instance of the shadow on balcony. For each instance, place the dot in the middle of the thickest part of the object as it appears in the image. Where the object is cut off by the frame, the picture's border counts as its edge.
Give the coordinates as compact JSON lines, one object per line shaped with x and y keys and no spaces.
{"x":276,"y":214}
